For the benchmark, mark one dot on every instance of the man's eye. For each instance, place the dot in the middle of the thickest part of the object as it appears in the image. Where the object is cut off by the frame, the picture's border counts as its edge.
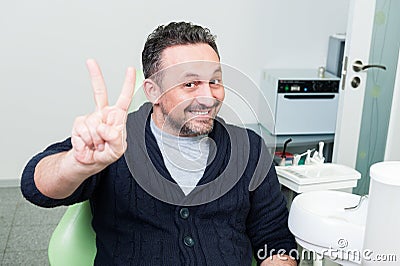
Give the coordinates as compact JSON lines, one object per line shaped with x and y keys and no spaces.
{"x":192,"y":84}
{"x":215,"y":82}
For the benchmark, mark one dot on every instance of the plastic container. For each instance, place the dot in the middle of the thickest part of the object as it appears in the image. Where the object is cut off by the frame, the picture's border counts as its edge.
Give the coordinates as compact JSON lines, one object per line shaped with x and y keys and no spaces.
{"x":382,"y":230}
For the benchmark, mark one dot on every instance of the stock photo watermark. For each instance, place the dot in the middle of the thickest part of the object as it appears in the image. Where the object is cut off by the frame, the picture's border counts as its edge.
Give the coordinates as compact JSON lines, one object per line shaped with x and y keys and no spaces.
{"x":334,"y":254}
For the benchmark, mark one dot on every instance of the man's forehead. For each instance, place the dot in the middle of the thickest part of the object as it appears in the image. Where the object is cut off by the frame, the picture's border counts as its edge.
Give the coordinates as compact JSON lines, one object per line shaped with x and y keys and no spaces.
{"x":198,"y":69}
{"x":201,"y":70}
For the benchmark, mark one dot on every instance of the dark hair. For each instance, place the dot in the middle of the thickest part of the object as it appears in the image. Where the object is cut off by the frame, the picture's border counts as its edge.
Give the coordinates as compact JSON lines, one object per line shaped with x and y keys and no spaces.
{"x":175,"y":33}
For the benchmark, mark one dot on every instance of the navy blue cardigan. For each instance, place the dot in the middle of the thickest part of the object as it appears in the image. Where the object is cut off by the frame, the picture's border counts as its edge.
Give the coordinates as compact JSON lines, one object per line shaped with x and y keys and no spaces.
{"x":134,"y":228}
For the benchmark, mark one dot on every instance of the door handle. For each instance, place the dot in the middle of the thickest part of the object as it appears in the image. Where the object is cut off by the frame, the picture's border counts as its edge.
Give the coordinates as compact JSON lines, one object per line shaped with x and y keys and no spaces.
{"x":359,"y":66}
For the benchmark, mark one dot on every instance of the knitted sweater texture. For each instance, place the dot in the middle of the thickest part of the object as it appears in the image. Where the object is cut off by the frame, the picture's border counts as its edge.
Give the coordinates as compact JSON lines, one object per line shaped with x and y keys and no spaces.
{"x":135,"y":228}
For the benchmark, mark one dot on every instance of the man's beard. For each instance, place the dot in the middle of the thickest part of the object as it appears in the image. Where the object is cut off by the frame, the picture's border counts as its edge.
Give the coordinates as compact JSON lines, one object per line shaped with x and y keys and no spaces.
{"x":192,"y":126}
{"x":199,"y":127}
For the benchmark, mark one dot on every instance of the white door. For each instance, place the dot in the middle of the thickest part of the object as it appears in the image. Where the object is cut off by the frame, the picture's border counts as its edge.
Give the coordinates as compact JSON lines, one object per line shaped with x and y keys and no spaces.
{"x":372,"y":42}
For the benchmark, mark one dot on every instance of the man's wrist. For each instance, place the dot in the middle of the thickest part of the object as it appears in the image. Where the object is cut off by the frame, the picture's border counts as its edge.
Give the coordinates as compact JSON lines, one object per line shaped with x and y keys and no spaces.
{"x":70,"y":167}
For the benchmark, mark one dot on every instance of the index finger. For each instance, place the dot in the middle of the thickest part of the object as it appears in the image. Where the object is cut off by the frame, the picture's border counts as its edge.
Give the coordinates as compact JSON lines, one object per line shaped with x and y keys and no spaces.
{"x":125,"y":98}
{"x":98,"y":84}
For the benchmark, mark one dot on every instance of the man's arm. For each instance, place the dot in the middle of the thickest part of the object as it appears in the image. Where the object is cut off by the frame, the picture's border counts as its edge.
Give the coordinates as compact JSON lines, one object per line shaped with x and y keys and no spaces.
{"x":98,"y":139}
{"x":267,"y":224}
{"x":57,"y":176}
{"x":267,"y":221}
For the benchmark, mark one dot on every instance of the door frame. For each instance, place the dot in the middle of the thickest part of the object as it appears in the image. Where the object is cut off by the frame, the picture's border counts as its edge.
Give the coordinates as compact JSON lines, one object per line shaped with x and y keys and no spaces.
{"x":358,"y":43}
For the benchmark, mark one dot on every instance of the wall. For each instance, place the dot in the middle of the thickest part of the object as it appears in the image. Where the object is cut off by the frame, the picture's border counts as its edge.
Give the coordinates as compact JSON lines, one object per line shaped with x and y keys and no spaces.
{"x":44,"y":44}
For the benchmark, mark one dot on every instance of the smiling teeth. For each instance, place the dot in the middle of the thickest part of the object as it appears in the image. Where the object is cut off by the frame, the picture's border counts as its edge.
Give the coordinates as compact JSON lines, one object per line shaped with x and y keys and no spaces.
{"x":200,"y":113}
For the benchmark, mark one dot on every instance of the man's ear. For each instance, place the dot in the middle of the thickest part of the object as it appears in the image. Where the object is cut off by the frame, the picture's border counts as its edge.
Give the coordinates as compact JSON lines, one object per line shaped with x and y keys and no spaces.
{"x":152,"y":91}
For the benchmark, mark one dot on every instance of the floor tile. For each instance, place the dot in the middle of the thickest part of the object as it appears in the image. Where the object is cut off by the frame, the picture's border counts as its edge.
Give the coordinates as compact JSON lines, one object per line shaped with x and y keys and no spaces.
{"x":34,"y":258}
{"x":7,"y":211}
{"x":25,"y":229}
{"x":29,"y":214}
{"x":4,"y":232}
{"x":10,"y":195}
{"x":27,"y":238}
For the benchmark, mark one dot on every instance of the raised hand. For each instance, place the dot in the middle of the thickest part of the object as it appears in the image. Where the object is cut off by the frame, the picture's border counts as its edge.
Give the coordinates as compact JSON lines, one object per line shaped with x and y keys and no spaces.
{"x":100,"y":137}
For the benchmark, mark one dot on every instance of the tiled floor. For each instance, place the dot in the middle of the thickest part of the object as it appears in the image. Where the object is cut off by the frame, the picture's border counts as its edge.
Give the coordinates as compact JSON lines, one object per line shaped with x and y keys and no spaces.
{"x":25,"y":229}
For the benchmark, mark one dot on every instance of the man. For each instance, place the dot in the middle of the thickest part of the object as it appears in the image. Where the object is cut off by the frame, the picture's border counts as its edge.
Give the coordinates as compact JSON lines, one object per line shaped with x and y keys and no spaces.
{"x":147,"y":209}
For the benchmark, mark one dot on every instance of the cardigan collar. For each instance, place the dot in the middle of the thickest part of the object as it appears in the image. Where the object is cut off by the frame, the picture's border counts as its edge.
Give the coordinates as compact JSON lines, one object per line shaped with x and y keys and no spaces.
{"x":146,"y":163}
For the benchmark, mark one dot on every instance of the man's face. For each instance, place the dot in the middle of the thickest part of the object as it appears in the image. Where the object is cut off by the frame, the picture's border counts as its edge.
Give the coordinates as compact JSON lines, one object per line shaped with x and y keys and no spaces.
{"x":192,"y":90}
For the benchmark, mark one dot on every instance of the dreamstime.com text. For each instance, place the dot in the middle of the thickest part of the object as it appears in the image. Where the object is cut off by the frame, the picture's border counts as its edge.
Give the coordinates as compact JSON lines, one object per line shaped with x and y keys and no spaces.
{"x":330,"y":253}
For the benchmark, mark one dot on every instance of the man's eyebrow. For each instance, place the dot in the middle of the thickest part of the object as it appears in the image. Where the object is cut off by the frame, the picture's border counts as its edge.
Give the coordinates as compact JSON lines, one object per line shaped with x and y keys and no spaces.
{"x":218,"y":70}
{"x":190,"y":75}
{"x":194,"y":75}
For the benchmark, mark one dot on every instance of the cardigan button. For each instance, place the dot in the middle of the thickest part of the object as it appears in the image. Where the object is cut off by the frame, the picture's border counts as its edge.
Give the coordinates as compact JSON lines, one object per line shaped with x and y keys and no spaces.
{"x":188,"y":241}
{"x":184,"y":213}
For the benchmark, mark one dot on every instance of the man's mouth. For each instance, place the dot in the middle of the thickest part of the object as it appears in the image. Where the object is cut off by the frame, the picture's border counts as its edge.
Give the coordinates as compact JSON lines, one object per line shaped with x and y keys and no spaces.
{"x":201,"y":113}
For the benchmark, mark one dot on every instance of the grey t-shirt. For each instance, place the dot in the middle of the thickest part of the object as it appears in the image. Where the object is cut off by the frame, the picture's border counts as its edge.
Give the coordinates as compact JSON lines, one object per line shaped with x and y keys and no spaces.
{"x":184,"y":157}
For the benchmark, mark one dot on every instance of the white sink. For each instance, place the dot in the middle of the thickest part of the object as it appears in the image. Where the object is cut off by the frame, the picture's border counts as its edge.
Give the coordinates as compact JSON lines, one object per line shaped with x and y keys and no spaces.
{"x":319,"y":222}
{"x":304,"y":178}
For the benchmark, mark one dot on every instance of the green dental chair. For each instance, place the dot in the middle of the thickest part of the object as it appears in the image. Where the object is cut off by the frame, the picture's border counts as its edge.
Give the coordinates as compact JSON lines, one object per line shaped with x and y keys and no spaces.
{"x":73,"y":242}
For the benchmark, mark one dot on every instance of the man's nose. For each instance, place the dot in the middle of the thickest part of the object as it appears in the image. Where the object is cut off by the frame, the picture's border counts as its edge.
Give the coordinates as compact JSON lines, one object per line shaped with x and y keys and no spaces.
{"x":204,"y":94}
